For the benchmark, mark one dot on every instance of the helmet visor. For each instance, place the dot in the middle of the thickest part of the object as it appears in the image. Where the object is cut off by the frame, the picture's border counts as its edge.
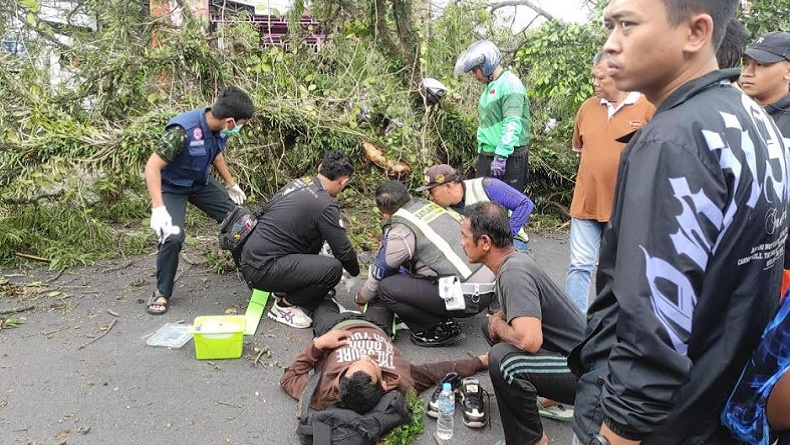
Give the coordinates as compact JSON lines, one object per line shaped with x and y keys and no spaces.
{"x":466,"y":62}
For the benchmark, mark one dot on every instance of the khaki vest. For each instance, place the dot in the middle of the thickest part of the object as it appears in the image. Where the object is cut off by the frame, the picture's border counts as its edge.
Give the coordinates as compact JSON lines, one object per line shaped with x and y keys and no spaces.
{"x":437,"y":238}
{"x":476,"y":193}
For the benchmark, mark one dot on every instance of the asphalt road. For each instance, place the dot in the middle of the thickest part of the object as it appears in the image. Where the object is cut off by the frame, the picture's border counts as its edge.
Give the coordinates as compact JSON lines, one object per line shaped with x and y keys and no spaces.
{"x":118,"y":390}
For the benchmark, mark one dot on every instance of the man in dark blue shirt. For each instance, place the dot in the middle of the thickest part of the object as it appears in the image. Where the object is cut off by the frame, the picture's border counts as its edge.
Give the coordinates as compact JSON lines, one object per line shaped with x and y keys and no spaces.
{"x":178,"y":172}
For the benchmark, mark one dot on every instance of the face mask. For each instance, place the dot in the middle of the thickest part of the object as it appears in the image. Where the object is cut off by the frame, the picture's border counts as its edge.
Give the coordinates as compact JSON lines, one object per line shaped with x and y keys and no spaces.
{"x":230,"y":133}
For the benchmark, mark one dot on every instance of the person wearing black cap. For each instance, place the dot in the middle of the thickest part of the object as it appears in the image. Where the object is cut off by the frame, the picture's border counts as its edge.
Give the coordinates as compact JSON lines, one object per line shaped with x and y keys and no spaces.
{"x":765,"y":76}
{"x":445,"y":188}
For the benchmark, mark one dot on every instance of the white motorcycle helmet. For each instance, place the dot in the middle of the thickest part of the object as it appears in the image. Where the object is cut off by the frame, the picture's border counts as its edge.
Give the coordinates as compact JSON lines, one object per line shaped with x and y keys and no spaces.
{"x":432,"y":90}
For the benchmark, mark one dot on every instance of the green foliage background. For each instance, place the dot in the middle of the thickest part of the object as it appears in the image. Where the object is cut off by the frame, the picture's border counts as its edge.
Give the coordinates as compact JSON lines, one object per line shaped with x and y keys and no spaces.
{"x":72,"y":153}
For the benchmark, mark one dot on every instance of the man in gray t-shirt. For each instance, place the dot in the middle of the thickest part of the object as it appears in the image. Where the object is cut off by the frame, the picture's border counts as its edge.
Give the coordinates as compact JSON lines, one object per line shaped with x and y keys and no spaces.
{"x":534,"y":333}
{"x":524,"y":290}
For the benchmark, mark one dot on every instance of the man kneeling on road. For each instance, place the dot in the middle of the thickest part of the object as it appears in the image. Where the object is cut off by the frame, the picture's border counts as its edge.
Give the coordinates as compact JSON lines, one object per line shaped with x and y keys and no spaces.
{"x":531,"y":336}
{"x":425,"y":240}
{"x":282,"y":253}
{"x":352,"y":374}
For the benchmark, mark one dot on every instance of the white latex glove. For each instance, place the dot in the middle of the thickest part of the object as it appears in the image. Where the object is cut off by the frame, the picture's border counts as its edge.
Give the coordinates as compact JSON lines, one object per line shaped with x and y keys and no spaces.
{"x":236,"y":194}
{"x":162,"y":223}
{"x":167,"y":231}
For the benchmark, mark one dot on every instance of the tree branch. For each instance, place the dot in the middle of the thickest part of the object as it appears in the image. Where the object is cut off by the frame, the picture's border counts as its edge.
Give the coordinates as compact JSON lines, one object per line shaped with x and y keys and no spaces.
{"x":494,"y":5}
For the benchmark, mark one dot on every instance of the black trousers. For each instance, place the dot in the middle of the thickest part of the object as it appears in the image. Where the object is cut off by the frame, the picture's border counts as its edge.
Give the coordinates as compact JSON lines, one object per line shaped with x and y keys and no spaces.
{"x":516,"y":168}
{"x":518,"y":378}
{"x":328,"y":314}
{"x":213,"y":200}
{"x":418,"y":304}
{"x":305,"y":278}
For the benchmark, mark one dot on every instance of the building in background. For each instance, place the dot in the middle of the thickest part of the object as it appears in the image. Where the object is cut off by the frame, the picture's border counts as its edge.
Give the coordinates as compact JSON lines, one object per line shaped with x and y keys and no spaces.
{"x":65,"y":17}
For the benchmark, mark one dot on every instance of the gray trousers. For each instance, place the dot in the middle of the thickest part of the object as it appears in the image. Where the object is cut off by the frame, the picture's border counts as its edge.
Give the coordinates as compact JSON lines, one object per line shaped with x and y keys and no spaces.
{"x":213,"y":200}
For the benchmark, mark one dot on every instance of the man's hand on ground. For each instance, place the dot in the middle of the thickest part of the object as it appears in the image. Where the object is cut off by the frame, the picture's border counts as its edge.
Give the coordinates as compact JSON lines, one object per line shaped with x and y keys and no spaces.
{"x":332,"y":340}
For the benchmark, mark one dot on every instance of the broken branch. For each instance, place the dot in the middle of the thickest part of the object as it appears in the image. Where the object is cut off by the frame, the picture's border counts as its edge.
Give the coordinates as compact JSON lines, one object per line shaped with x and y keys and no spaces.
{"x":112,"y":323}
{"x":14,"y":310}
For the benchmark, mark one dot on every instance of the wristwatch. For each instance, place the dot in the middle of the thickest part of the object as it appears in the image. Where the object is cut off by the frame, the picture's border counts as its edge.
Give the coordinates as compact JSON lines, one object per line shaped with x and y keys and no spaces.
{"x":599,"y":440}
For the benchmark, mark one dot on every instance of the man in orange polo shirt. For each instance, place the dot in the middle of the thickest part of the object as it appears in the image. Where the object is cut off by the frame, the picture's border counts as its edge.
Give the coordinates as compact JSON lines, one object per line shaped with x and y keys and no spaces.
{"x":601,"y":120}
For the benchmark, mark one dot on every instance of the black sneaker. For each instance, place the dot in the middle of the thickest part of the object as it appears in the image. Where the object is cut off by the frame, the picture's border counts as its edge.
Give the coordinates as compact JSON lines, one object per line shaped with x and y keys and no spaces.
{"x":444,"y":334}
{"x":472,"y":403}
{"x":433,"y":406}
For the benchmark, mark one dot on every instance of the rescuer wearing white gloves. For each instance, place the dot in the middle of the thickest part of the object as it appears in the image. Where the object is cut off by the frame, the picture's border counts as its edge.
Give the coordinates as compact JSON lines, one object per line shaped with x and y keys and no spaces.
{"x":178,"y":172}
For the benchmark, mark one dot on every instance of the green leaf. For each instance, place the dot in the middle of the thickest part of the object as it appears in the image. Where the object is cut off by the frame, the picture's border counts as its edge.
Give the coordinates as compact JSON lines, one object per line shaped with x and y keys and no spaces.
{"x":30,"y":4}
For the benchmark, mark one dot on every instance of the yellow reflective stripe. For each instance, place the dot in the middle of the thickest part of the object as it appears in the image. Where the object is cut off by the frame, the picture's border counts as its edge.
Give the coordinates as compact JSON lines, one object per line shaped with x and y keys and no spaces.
{"x":438,"y":241}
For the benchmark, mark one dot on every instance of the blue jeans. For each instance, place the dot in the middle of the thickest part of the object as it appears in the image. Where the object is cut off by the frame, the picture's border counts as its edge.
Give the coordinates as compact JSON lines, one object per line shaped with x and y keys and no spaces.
{"x":521,"y":246}
{"x":585,"y":243}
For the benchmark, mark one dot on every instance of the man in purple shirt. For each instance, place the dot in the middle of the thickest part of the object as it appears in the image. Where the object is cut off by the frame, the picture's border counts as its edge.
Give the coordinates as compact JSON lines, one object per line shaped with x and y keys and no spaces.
{"x":446,"y":189}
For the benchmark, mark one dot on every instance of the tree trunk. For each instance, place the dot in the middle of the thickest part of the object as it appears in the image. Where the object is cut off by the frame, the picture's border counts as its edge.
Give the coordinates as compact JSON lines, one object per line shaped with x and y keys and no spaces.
{"x":404,"y":23}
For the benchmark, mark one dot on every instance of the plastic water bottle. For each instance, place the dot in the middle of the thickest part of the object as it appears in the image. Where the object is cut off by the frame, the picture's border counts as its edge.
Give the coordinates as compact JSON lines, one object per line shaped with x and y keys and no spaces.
{"x":445,"y":424}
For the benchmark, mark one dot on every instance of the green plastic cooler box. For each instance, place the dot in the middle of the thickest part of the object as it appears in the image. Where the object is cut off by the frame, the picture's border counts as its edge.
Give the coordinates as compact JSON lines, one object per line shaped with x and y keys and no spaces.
{"x":218,"y":336}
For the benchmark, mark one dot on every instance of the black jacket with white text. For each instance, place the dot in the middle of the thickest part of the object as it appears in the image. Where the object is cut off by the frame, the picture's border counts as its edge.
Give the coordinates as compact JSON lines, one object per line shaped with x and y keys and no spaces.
{"x":689,"y":270}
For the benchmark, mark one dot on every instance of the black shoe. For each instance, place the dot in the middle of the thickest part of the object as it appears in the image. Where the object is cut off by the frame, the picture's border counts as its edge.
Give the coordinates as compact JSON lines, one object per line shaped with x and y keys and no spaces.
{"x":472,"y":403}
{"x":433,"y":406}
{"x":444,"y":334}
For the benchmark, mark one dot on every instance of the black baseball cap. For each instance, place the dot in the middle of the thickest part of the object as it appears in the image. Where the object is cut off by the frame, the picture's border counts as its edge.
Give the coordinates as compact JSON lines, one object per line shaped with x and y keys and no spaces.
{"x":770,"y":48}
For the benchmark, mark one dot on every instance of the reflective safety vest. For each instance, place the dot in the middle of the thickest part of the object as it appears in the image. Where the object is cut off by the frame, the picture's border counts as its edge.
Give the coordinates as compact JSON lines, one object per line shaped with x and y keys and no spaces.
{"x":437,"y":238}
{"x":475,"y":192}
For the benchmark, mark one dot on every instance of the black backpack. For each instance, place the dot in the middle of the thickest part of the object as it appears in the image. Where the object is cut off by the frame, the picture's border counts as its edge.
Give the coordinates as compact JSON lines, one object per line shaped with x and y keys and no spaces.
{"x":339,"y":426}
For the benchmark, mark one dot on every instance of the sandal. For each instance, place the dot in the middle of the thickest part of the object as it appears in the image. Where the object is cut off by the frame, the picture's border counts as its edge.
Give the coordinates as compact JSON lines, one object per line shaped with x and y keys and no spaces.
{"x":154,"y":300}
{"x":557,"y":412}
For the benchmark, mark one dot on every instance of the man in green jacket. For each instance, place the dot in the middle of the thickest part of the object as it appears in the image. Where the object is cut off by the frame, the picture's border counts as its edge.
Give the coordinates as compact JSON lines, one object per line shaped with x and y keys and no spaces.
{"x":504,"y":130}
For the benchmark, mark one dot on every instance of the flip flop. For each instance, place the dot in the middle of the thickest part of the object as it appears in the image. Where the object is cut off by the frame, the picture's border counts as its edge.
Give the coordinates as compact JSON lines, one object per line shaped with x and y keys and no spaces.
{"x":152,"y":300}
{"x":558,"y":412}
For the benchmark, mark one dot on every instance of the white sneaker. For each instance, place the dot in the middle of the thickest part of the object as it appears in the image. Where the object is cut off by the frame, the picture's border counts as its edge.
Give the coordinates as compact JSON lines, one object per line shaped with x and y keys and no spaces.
{"x":293,"y":316}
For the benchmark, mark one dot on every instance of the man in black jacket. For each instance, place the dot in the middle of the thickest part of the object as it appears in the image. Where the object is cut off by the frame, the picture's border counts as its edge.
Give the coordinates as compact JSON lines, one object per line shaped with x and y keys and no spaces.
{"x":282,"y":253}
{"x":691,"y":260}
{"x":765,"y":77}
